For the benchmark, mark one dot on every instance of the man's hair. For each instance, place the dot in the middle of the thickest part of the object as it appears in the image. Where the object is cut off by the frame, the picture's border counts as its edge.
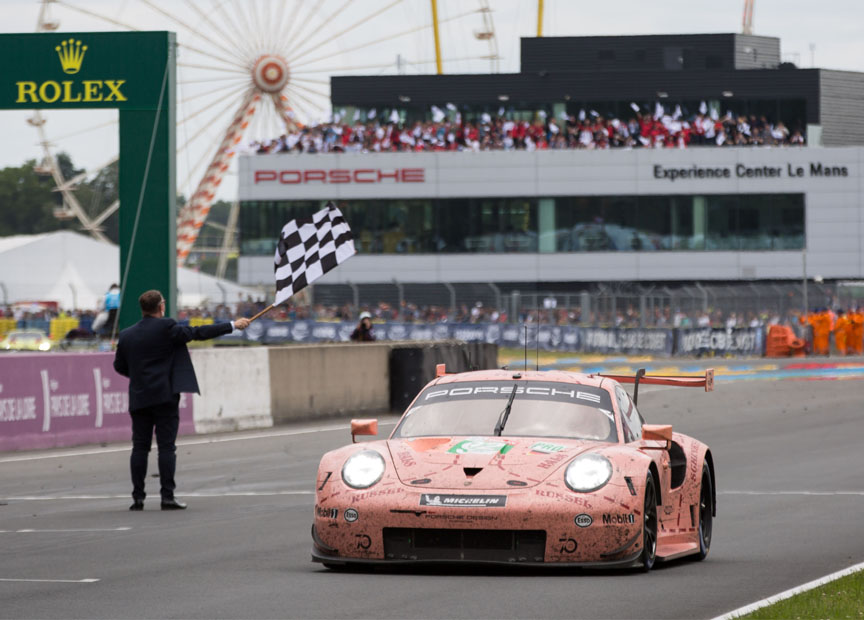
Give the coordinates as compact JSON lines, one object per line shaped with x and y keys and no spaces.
{"x":149,"y":301}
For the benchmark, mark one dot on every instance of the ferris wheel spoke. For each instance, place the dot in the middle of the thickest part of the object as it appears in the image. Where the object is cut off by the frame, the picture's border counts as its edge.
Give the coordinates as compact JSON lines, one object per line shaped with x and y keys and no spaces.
{"x":383,"y":39}
{"x":190,"y":65}
{"x":344,"y":31}
{"x":108,"y":212}
{"x":260,"y":28}
{"x":295,"y":102}
{"x":312,"y":91}
{"x":221,"y":89}
{"x":232,"y":95}
{"x":310,"y":81}
{"x":294,"y":33}
{"x":372,"y":42}
{"x":217,"y":29}
{"x":335,"y":69}
{"x":318,"y":31}
{"x":86,"y":130}
{"x":193,"y":170}
{"x":246,"y":30}
{"x":198,"y":50}
{"x":185,"y":24}
{"x":99,"y":16}
{"x":268,"y":26}
{"x":71,"y":182}
{"x":212,"y":79}
{"x":277,"y":20}
{"x":206,"y":126}
{"x":230,"y":24}
{"x":301,"y":97}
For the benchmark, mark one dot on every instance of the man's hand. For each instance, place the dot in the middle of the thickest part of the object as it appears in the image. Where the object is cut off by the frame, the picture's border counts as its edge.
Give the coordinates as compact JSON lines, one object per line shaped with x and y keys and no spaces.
{"x":242,"y":323}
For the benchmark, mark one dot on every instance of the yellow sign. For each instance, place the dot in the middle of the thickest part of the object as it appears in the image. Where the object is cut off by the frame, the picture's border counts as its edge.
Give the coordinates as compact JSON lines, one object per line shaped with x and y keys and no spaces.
{"x":71,"y":54}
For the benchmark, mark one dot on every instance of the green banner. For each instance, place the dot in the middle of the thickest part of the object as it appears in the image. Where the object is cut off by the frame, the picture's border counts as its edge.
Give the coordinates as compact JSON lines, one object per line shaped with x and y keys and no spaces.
{"x":83,"y":70}
{"x":134,"y":72}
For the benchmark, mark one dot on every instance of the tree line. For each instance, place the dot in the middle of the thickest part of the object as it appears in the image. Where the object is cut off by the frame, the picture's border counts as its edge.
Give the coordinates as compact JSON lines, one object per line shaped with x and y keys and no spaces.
{"x":29,"y":201}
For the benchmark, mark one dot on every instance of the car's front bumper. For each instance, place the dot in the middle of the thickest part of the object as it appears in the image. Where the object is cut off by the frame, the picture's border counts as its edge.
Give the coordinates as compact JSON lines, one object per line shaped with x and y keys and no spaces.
{"x":541,"y":525}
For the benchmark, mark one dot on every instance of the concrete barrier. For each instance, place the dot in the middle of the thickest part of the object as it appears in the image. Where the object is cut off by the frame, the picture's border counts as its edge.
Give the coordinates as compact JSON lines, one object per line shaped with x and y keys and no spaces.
{"x":329,"y":380}
{"x":235,"y":389}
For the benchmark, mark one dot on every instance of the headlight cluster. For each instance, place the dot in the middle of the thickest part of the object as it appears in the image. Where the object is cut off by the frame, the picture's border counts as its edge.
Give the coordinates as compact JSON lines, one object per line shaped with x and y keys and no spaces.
{"x":588,"y":473}
{"x":363,"y":469}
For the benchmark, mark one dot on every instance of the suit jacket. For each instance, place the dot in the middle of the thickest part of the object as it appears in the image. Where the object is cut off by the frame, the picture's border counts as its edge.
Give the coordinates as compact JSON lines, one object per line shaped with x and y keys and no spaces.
{"x":153,"y":354}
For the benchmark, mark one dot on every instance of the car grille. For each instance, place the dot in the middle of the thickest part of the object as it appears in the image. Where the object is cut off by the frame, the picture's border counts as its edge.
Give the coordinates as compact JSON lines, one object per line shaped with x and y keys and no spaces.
{"x":464,"y":545}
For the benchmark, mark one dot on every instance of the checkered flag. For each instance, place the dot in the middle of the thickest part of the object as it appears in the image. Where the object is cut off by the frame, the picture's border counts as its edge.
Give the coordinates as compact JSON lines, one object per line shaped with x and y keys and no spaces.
{"x":309,"y":248}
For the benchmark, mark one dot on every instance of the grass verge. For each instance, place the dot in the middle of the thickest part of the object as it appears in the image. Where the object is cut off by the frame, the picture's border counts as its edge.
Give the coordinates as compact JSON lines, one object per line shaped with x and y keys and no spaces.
{"x":842,"y":599}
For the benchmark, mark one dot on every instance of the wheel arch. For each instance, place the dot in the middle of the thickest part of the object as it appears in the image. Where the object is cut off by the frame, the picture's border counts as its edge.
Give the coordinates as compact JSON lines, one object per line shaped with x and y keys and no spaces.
{"x":709,"y":459}
{"x":652,"y":467}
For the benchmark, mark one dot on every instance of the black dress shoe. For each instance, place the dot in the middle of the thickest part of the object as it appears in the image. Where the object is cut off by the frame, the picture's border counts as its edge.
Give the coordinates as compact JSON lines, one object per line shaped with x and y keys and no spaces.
{"x":137,"y":504}
{"x":172,"y":504}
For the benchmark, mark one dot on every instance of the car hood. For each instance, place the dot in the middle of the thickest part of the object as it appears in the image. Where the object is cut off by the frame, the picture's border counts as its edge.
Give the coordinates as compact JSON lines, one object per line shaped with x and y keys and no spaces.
{"x":482,"y":463}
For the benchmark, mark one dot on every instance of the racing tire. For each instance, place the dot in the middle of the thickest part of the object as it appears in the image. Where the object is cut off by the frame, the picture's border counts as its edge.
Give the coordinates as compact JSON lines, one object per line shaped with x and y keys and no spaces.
{"x":649,"y":525}
{"x":706,"y":513}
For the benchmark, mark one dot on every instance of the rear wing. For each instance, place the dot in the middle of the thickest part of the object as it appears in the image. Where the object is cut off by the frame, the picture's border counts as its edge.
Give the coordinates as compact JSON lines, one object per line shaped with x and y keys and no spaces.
{"x":706,"y":381}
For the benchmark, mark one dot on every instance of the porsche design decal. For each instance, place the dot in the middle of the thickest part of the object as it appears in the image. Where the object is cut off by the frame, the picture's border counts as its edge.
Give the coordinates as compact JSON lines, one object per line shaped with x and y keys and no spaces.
{"x":463,"y":501}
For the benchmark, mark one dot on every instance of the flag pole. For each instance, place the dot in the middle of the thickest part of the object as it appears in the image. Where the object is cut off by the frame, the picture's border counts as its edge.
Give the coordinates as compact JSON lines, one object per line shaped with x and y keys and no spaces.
{"x":263,"y":312}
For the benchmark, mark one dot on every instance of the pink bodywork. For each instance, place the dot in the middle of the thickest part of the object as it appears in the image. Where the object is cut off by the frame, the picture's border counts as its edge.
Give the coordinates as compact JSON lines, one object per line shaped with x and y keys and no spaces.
{"x":529,"y":475}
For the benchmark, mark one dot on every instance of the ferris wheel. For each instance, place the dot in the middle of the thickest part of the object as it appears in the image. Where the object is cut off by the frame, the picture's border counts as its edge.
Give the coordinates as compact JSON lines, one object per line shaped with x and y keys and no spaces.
{"x":249,"y":70}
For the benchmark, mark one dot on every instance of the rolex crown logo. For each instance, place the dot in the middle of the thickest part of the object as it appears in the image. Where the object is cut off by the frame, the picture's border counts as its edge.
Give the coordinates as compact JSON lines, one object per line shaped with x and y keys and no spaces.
{"x":71,"y":55}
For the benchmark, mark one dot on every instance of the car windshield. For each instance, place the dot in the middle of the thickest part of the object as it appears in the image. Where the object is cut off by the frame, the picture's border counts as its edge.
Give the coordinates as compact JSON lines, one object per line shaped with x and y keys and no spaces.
{"x":540,"y":409}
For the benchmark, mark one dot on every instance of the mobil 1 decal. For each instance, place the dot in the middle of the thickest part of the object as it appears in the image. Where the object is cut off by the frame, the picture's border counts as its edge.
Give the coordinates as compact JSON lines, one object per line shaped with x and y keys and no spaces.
{"x":525,"y":390}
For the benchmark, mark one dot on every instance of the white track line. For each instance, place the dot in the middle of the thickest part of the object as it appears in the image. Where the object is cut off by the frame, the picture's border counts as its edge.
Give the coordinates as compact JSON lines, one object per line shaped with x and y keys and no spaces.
{"x":91,"y":580}
{"x":95,"y":529}
{"x":816,"y":493}
{"x":737,"y":613}
{"x":38,"y":498}
{"x":188,"y":442}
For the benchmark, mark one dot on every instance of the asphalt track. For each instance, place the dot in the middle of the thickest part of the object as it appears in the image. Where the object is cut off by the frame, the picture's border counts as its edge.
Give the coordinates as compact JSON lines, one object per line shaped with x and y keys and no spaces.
{"x":791,"y":500}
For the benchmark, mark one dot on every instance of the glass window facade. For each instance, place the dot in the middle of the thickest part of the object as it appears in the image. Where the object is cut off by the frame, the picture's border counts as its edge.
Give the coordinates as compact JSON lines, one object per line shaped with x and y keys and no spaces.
{"x":555,"y":224}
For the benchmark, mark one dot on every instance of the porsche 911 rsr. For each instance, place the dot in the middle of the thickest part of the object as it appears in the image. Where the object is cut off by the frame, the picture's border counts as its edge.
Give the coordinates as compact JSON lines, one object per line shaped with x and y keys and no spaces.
{"x":531,"y":468}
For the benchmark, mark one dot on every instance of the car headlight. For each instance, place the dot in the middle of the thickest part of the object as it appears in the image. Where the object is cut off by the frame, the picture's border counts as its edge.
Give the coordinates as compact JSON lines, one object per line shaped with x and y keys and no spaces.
{"x":588,"y":473}
{"x":363,"y":469}
{"x":44,"y":346}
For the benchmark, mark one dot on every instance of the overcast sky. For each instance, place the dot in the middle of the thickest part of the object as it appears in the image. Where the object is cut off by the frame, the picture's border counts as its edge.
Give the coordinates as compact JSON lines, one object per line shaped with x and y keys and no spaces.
{"x":831,"y":32}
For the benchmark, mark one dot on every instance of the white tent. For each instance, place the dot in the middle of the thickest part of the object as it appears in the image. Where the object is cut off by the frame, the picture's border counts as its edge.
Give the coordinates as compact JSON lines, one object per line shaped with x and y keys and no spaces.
{"x":76,"y":271}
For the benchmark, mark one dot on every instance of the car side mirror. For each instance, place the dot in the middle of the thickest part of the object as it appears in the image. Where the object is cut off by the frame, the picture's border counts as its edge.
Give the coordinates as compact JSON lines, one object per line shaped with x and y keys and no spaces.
{"x":657,"y":432}
{"x":364,"y":427}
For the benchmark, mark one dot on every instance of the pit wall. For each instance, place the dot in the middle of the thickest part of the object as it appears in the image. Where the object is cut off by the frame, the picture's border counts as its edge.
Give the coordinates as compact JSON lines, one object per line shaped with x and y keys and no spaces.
{"x":52,"y":400}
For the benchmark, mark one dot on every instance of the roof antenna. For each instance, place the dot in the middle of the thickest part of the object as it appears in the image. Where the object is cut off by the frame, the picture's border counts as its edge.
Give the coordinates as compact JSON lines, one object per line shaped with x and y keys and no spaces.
{"x":639,"y":374}
{"x":537,"y":344}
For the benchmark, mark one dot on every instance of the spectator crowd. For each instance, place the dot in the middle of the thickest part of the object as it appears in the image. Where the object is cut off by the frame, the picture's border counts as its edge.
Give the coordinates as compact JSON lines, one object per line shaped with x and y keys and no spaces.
{"x":585,"y":130}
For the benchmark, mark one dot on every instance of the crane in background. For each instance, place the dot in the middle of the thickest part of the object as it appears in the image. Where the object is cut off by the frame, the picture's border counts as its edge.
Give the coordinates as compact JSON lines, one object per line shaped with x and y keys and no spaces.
{"x":747,"y":17}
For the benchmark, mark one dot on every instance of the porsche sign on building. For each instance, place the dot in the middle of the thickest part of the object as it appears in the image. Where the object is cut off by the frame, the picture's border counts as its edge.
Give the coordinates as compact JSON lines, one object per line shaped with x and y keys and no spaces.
{"x":570,"y":215}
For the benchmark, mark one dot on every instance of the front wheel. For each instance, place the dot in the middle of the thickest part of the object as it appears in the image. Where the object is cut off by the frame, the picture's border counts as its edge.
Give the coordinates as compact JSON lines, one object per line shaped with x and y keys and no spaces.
{"x":706,"y":512}
{"x":649,"y":525}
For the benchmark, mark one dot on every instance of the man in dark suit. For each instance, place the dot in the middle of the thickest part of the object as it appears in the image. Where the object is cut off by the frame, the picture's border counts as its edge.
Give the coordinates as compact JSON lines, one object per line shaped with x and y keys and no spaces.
{"x":153,"y":354}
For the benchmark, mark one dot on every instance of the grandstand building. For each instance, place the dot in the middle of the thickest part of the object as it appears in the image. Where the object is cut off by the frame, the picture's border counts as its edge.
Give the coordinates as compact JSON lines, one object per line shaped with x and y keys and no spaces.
{"x":551,"y":217}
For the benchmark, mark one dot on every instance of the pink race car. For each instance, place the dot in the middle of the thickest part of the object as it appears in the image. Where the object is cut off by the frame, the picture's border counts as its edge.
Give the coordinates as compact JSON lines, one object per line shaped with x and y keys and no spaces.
{"x":531,"y":468}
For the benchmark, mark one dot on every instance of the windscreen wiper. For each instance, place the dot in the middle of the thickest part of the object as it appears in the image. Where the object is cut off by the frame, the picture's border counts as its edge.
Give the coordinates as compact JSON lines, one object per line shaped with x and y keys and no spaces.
{"x":502,"y":419}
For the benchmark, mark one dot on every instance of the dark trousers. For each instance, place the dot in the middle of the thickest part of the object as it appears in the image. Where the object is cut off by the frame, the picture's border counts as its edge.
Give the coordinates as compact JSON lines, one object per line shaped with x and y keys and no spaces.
{"x":165,"y":418}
